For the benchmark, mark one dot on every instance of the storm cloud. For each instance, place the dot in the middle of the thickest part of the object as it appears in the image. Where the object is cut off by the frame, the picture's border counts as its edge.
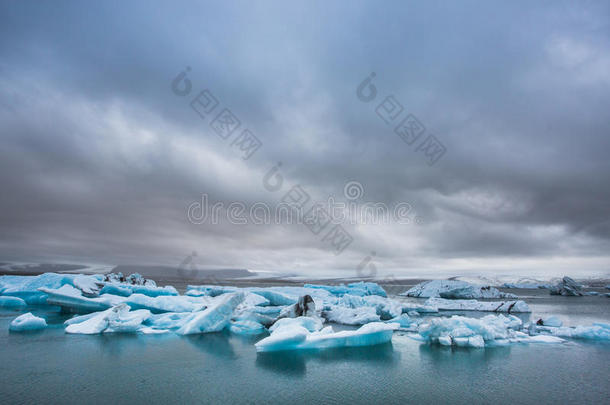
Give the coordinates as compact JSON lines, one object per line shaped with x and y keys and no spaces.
{"x":100,"y":159}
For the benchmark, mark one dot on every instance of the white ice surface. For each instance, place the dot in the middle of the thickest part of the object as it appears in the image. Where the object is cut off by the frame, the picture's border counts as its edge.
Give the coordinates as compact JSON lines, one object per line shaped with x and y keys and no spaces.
{"x":27,"y":322}
{"x":474,"y":305}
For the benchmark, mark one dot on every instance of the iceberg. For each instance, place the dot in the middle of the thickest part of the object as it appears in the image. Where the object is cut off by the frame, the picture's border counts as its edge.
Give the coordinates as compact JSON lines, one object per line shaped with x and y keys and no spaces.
{"x":384,"y":307}
{"x":118,"y":319}
{"x":454,"y":289}
{"x":568,"y":287}
{"x":26,"y":287}
{"x":598,"y":331}
{"x":12,"y":302}
{"x":215,"y":317}
{"x":312,"y":324}
{"x":163,"y":303}
{"x":71,"y":299}
{"x":469,"y":332}
{"x":27,"y":322}
{"x":360,"y":289}
{"x":351,"y":316}
{"x":297,"y":337}
{"x":474,"y":305}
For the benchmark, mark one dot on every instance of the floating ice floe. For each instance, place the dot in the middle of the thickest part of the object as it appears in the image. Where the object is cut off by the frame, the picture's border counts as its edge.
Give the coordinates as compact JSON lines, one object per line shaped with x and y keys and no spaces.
{"x":454,"y":289}
{"x":12,"y":302}
{"x":598,"y":331}
{"x":474,"y":305}
{"x":27,"y":322}
{"x":118,"y":319}
{"x":215,"y":317}
{"x":294,"y":336}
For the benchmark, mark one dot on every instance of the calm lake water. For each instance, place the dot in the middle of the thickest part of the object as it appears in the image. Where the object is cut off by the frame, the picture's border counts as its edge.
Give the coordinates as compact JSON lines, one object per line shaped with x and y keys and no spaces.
{"x":53,"y":367}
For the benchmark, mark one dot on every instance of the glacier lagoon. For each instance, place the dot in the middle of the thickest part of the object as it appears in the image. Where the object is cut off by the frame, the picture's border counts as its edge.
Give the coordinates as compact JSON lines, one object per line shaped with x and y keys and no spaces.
{"x":53,"y":366}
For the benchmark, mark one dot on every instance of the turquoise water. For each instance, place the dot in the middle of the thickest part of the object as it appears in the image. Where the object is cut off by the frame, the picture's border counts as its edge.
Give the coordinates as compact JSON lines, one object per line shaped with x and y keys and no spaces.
{"x":51,"y":366}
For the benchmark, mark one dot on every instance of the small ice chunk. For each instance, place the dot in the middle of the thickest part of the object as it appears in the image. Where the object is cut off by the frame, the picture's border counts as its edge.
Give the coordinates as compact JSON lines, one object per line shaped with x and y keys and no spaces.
{"x":215,"y":317}
{"x":27,"y":322}
{"x":12,"y":302}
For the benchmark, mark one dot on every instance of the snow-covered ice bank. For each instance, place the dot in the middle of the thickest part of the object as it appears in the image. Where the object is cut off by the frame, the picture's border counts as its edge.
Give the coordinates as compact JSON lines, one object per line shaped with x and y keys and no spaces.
{"x":27,"y":322}
{"x":294,"y":336}
{"x":454,"y":289}
{"x":474,"y":305}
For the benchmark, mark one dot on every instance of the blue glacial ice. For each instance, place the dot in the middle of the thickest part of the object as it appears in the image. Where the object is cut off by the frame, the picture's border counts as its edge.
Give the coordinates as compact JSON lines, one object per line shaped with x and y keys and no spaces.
{"x":26,"y":287}
{"x":12,"y":302}
{"x":297,"y":337}
{"x":443,"y":304}
{"x":360,"y":289}
{"x":350,"y":316}
{"x":470,"y":332}
{"x":215,"y":317}
{"x":70,"y":298}
{"x":118,"y":319}
{"x":455,"y":289}
{"x":385,"y":308}
{"x":27,"y":322}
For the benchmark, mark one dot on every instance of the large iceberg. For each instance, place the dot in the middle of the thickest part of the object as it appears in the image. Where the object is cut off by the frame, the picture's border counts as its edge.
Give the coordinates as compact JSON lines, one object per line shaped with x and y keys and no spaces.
{"x":27,"y":322}
{"x":454,"y":289}
{"x":294,"y":336}
{"x":474,"y":305}
{"x":215,"y":317}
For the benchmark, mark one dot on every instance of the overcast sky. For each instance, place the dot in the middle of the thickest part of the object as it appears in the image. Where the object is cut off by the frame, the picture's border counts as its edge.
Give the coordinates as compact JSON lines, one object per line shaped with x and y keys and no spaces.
{"x":100,"y":159}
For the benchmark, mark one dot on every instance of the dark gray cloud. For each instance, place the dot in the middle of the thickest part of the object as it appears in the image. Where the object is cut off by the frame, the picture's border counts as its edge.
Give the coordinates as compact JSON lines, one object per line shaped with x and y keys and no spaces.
{"x":99,"y":160}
